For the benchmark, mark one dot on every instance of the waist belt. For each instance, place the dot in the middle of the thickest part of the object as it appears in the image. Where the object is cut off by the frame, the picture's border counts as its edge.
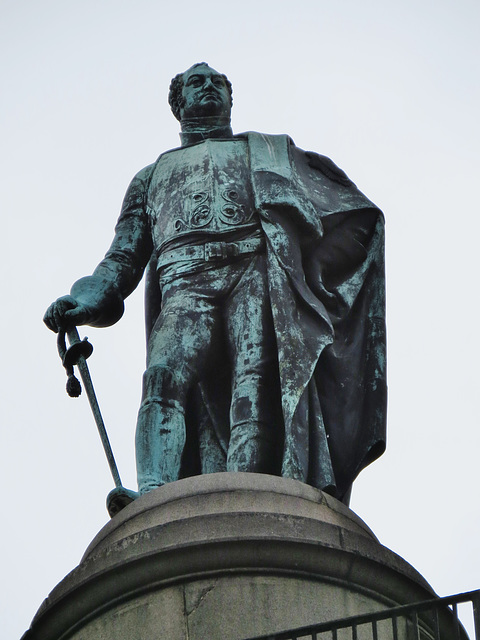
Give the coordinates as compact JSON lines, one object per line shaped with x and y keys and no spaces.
{"x":211,"y":251}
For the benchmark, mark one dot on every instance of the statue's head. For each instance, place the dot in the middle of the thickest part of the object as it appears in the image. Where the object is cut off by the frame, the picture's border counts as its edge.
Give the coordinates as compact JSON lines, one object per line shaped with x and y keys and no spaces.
{"x":200,"y":92}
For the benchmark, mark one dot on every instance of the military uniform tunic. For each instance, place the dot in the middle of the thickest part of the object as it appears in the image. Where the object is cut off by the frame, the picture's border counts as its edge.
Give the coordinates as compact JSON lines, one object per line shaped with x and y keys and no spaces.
{"x":201,"y":190}
{"x":214,"y":307}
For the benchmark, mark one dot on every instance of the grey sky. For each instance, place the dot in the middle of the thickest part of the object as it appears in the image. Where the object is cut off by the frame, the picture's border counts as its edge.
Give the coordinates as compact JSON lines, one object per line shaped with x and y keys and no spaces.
{"x":389,"y":90}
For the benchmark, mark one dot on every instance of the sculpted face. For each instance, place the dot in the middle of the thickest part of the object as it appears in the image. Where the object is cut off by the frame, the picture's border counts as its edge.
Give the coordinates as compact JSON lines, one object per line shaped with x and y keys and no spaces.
{"x":205,"y":93}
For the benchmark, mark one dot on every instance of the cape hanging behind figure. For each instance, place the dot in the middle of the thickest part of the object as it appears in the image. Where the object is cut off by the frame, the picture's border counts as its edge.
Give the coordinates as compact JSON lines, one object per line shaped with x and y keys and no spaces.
{"x":265,"y":304}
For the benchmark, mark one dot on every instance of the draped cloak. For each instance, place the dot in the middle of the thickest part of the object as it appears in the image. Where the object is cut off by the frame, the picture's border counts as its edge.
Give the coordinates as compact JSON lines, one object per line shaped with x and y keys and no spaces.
{"x":325,"y":262}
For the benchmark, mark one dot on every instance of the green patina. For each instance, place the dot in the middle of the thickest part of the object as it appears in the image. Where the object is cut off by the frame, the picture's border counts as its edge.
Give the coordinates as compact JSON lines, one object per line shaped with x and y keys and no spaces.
{"x":264,"y":303}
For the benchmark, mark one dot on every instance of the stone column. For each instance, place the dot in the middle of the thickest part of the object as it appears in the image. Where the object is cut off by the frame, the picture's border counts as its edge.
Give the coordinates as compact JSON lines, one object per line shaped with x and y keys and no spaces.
{"x":225,"y":556}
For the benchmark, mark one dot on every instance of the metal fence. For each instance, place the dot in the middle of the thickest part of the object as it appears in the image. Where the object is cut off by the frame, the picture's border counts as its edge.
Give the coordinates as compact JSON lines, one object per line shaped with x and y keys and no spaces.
{"x":436,"y":619}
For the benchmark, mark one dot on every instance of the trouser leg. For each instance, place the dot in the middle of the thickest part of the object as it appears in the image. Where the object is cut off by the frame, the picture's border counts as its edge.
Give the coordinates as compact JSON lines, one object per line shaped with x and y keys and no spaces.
{"x":255,"y":435}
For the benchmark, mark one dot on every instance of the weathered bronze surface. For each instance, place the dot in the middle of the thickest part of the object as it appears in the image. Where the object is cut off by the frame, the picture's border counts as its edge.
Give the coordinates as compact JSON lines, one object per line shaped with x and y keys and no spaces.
{"x":264,"y":303}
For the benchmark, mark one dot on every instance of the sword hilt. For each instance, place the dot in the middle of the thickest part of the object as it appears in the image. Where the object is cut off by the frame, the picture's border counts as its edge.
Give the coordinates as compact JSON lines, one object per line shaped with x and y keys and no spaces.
{"x":77,"y":349}
{"x":70,"y":357}
{"x":74,"y":388}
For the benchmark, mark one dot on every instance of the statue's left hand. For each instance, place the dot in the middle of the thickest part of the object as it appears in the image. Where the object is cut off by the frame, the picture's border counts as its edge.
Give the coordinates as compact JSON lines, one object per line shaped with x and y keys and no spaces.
{"x":65,"y":312}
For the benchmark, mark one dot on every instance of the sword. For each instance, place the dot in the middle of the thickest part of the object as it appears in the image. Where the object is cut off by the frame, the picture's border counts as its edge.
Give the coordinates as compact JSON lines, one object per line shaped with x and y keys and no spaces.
{"x":77,"y":354}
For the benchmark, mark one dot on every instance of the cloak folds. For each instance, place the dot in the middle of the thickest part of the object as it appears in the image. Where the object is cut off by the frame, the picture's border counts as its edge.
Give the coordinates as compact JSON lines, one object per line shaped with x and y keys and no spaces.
{"x":326,"y":283}
{"x":327,"y":289}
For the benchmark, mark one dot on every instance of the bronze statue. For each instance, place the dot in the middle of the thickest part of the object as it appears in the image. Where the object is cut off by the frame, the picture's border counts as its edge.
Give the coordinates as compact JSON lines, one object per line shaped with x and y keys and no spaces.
{"x":264,"y":303}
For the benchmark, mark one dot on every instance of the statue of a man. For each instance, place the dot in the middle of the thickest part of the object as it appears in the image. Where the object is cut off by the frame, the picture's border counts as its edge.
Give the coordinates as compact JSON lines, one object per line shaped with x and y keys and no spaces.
{"x":264,"y":303}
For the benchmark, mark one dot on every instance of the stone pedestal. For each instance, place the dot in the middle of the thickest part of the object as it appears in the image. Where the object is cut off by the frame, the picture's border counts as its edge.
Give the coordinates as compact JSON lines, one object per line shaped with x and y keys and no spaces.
{"x":225,"y":556}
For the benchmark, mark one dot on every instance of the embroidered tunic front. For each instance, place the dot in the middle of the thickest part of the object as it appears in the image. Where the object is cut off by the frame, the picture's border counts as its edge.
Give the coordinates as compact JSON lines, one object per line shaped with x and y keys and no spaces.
{"x":201,"y":190}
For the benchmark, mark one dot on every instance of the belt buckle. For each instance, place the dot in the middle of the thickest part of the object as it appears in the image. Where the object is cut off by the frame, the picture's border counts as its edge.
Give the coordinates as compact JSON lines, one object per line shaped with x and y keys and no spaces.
{"x":221,"y":250}
{"x":213,"y":250}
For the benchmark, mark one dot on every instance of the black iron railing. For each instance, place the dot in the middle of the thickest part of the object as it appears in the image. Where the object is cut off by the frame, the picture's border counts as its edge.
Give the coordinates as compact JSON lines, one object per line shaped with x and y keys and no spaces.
{"x":436,"y":619}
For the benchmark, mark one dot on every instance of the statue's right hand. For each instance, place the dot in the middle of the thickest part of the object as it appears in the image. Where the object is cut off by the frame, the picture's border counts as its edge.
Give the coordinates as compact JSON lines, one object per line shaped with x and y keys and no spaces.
{"x":64,"y":313}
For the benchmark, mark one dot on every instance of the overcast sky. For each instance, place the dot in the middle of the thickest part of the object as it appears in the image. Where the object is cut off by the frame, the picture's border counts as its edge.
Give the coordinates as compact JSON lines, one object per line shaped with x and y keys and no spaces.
{"x":389,"y":90}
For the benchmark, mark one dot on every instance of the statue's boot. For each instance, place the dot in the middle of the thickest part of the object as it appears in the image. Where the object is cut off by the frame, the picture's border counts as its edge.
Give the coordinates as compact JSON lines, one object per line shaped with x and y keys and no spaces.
{"x":255,"y":437}
{"x":160,"y":435}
